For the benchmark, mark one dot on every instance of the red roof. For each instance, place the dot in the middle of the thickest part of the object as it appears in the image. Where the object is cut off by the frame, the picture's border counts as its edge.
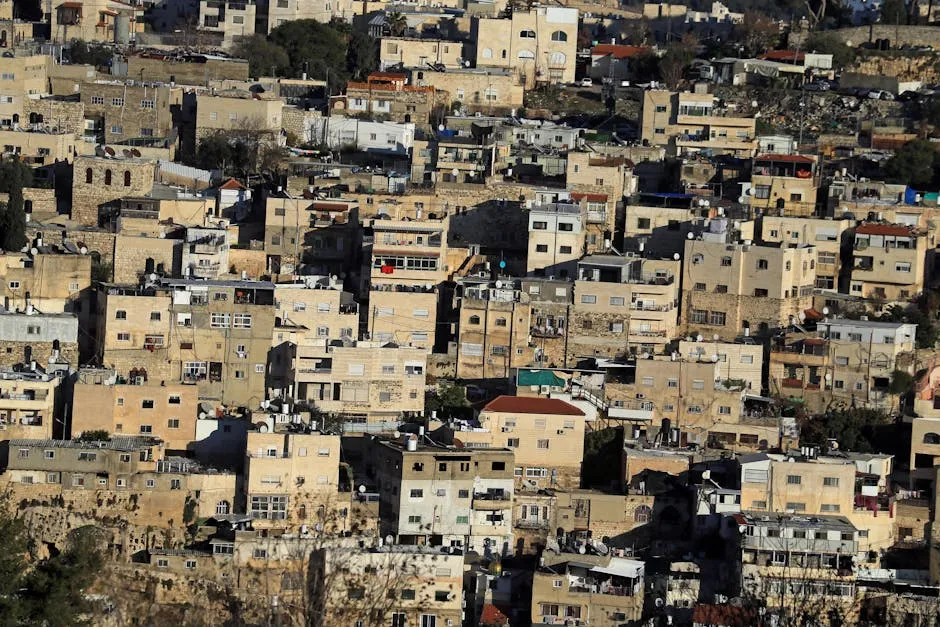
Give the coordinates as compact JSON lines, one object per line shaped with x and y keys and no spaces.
{"x":492,"y":616}
{"x":232,"y":184}
{"x":532,"y":405}
{"x":787,"y":56}
{"x":618,"y":52}
{"x":884,"y":229}
{"x":589,"y":197}
{"x":786,"y":158}
{"x":70,"y":5}
{"x":723,"y":615}
{"x":330,"y":206}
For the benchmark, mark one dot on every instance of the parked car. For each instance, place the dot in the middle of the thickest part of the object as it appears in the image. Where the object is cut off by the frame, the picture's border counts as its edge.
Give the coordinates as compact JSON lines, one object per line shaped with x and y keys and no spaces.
{"x":908,"y":96}
{"x":586,"y":82}
{"x":874,"y":94}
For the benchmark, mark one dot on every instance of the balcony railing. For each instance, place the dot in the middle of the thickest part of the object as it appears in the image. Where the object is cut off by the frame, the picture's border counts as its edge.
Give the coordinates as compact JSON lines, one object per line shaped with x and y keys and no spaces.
{"x":546,"y":332}
{"x":651,"y":307}
{"x":527,"y":523}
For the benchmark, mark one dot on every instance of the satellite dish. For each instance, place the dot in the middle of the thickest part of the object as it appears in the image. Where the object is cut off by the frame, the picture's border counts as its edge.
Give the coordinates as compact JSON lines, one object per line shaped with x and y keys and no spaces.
{"x":153,"y":277}
{"x":676,"y":256}
{"x":389,"y":539}
{"x":362,"y":489}
{"x":581,"y":549}
{"x":660,"y":602}
{"x":716,"y":337}
{"x":802,"y":316}
{"x":440,"y":127}
{"x":699,"y":338}
{"x":72,"y":248}
{"x":135,"y":152}
{"x":499,"y":285}
{"x":397,"y":434}
{"x":690,"y":235}
{"x":644,"y":356}
{"x":466,"y":63}
{"x":601,"y":548}
{"x":99,"y":151}
{"x":202,"y":415}
{"x":127,"y":153}
{"x":714,"y":359}
{"x":265,"y":403}
{"x":825,"y":311}
{"x":455,"y":171}
{"x":109,"y":151}
{"x":706,"y":475}
{"x":83,"y":250}
{"x":551,"y":544}
{"x":33,"y":251}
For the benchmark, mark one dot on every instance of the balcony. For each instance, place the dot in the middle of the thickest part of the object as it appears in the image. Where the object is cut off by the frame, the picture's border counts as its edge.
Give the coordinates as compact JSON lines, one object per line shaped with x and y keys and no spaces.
{"x":597,"y":217}
{"x":528,"y":523}
{"x":809,"y":352}
{"x":445,"y":163}
{"x":546,"y":332}
{"x":491,"y":501}
{"x":790,"y":382}
{"x":647,"y":306}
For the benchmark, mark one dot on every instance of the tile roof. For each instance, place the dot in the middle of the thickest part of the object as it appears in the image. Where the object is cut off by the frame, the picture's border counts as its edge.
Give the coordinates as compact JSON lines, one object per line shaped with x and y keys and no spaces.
{"x":532,"y":405}
{"x":232,"y":184}
{"x":789,"y":56}
{"x":885,"y":229}
{"x":785,"y":158}
{"x":618,"y":52}
{"x":723,"y":615}
{"x":491,"y":615}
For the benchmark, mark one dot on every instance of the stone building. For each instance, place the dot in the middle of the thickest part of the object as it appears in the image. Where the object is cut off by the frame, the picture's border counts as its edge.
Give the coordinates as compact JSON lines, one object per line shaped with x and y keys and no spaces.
{"x":388,"y":94}
{"x":556,"y":239}
{"x":320,"y":233}
{"x":784,"y":184}
{"x":551,"y":310}
{"x":233,"y":19}
{"x":185,"y":68}
{"x":103,"y":21}
{"x":133,"y":406}
{"x":728,"y":287}
{"x":22,"y":77}
{"x":132,"y":112}
{"x":49,"y":339}
{"x":38,"y":148}
{"x":238,"y":111}
{"x":31,"y":403}
{"x":493,"y":329}
{"x":491,"y":91}
{"x":98,"y":183}
{"x":418,"y":52}
{"x":65,"y":113}
{"x":688,"y":123}
{"x":831,"y":238}
{"x":891,"y":262}
{"x":538,"y":45}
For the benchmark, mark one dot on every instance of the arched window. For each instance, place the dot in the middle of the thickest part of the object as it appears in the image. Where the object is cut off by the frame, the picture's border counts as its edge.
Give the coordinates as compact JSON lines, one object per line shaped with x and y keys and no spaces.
{"x":557,"y":59}
{"x":527,"y":34}
{"x":487,"y":53}
{"x":559,"y":35}
{"x":107,"y":177}
{"x":127,"y":178}
{"x":500,"y":322}
{"x":222,"y":508}
{"x":932,"y":438}
{"x":526,"y":54}
{"x":474,"y":320}
{"x":89,"y":176}
{"x":643,"y":514}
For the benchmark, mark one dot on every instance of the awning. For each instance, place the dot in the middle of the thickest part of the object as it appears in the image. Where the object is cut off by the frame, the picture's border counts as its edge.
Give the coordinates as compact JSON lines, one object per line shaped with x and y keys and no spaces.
{"x":621,"y":567}
{"x":757,"y":397}
{"x":379,"y":225}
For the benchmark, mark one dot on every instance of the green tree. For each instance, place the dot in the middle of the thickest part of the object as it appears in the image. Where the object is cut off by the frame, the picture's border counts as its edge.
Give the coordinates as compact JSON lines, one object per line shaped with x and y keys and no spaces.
{"x":14,"y":176}
{"x":901,"y":382}
{"x":915,"y":164}
{"x":894,"y":12}
{"x":449,"y":400}
{"x":855,"y":428}
{"x":829,"y":43}
{"x":677,"y":57}
{"x":397,"y":24}
{"x":316,"y":48}
{"x":53,"y":593}
{"x":265,"y":58}
{"x":362,"y":55}
{"x":91,"y":54}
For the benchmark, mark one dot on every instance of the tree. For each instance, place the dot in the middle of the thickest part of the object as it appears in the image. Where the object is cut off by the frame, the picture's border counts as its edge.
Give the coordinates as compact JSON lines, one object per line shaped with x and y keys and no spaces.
{"x":830,"y":43}
{"x":265,"y":58}
{"x":901,"y":382}
{"x":315,"y":48}
{"x":914,"y":164}
{"x":397,"y":24}
{"x":14,"y":176}
{"x":855,"y":428}
{"x":894,"y":12}
{"x":448,"y":400}
{"x":362,"y":55}
{"x":53,"y":592}
{"x":12,"y":563}
{"x":676,"y":58}
{"x":89,"y":54}
{"x":757,"y":32}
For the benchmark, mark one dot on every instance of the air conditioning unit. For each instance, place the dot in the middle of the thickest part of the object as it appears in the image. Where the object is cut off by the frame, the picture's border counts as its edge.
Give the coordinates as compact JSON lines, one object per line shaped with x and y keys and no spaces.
{"x":545,"y":389}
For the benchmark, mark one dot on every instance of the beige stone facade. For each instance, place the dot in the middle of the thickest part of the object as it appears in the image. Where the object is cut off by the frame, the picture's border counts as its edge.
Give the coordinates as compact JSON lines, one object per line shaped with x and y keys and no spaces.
{"x":104,"y":21}
{"x":140,"y":407}
{"x":827,"y":236}
{"x":22,"y":76}
{"x":487,"y":90}
{"x":320,"y":233}
{"x":493,"y":329}
{"x":729,"y":287}
{"x":237,"y":111}
{"x":736,"y":361}
{"x":538,"y":45}
{"x":891,"y":262}
{"x":784,"y":184}
{"x":39,"y":148}
{"x":388,"y":95}
{"x":131,"y":112}
{"x":232,"y":19}
{"x":66,"y":113}
{"x":50,"y":282}
{"x":30,"y":404}
{"x":414,"y":52}
{"x":186,"y":69}
{"x":687,"y":123}
{"x":99,"y":183}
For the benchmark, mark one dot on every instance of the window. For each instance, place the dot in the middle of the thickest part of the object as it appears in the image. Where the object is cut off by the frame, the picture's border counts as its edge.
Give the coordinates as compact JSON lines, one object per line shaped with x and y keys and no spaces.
{"x":762,"y":264}
{"x":830,"y":507}
{"x":219,"y":320}
{"x":163,"y":563}
{"x":414,"y":520}
{"x":124,"y":337}
{"x":699,"y":287}
{"x":762,"y":192}
{"x":717,"y":318}
{"x":559,"y":35}
{"x":428,"y":620}
{"x":173,"y":423}
{"x":268,"y":507}
{"x":542,"y":444}
{"x":541,"y":248}
{"x":539,"y":226}
{"x":747,"y":359}
{"x":566,"y":227}
{"x":698,"y":316}
{"x":794,"y":479}
{"x":120,"y":314}
{"x":796,"y":506}
{"x":902,"y":266}
{"x":417,"y":493}
{"x":564,"y":250}
{"x":643,"y":514}
{"x":588,"y":299}
{"x":527,"y":34}
{"x":97,"y":100}
{"x":616,"y":301}
{"x":241,"y":321}
{"x":831,"y":482}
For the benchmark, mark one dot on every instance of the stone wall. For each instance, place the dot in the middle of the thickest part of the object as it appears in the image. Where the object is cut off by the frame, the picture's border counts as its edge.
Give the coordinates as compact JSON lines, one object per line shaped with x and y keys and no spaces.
{"x":898,"y":35}
{"x":738,"y":309}
{"x":95,"y":240}
{"x":66,"y":115}
{"x":13,"y":352}
{"x":133,"y":254}
{"x":42,"y":203}
{"x":89,"y":197}
{"x":187,"y":73}
{"x":254,"y":262}
{"x":922,"y":67}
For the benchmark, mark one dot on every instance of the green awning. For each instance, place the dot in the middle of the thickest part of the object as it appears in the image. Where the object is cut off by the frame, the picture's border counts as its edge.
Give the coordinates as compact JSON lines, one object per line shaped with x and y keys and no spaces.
{"x":539,"y":377}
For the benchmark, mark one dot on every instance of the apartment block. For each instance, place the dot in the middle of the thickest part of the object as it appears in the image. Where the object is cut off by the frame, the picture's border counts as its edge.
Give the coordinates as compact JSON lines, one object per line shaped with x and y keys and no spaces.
{"x":319,"y":305}
{"x":687,"y":123}
{"x":493,"y":329}
{"x":369,"y":386}
{"x":781,"y":553}
{"x":734,"y":361}
{"x":232,"y":19}
{"x":235,"y":110}
{"x":550,"y":307}
{"x":408,"y":261}
{"x":489,"y":90}
{"x":389,"y":94}
{"x":784,"y":185}
{"x":545,"y":434}
{"x":538,"y":45}
{"x":206,"y":252}
{"x":31,"y":403}
{"x":270,"y":16}
{"x":435,"y":493}
{"x":37,"y":148}
{"x":556,"y":239}
{"x":320,"y":233}
{"x":419,"y":52}
{"x":131,"y":112}
{"x":102,"y":21}
{"x":847,"y":360}
{"x":48,"y":339}
{"x":22,"y":76}
{"x":587,"y":589}
{"x":891,"y":262}
{"x":215,"y":335}
{"x":49,"y":281}
{"x":135,"y":406}
{"x":729,"y":287}
{"x":831,"y":238}
{"x":623,"y":305}
{"x":924,"y":417}
{"x":291,"y":479}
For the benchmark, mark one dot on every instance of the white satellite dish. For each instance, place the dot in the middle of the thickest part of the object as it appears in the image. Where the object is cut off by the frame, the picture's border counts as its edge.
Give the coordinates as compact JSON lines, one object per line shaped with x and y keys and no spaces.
{"x":699,"y":338}
{"x":676,"y":256}
{"x":202,"y":415}
{"x":714,"y":359}
{"x":389,"y":539}
{"x":362,"y":489}
{"x":499,"y":285}
{"x":716,"y":337}
{"x":440,"y":127}
{"x":802,"y":316}
{"x":690,"y":235}
{"x":34,"y":251}
{"x":397,"y":434}
{"x":706,"y":475}
{"x":825,"y":311}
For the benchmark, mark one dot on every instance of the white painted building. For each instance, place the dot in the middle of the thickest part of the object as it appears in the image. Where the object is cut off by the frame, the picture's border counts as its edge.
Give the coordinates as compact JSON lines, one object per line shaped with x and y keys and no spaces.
{"x":339,"y":131}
